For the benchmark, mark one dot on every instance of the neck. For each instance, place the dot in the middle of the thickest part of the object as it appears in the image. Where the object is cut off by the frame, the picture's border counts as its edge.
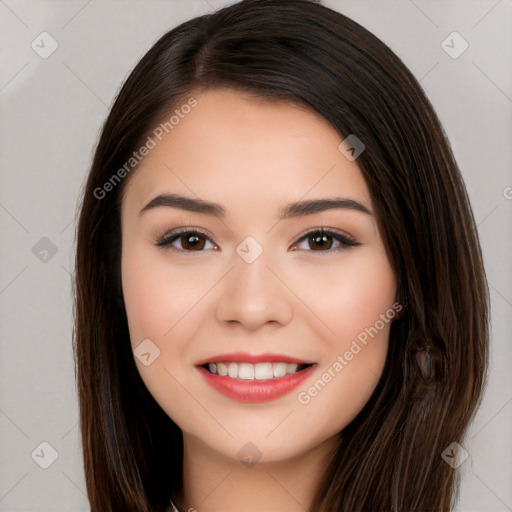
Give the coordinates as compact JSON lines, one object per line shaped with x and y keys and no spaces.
{"x":213,"y":482}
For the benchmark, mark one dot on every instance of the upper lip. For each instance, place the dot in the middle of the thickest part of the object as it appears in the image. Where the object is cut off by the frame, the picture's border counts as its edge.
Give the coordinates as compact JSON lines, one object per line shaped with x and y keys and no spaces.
{"x":246,"y":357}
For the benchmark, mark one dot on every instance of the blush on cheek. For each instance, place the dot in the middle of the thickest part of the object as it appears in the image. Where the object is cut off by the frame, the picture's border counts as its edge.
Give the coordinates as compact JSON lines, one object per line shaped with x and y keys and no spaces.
{"x":142,"y":302}
{"x":159,"y":307}
{"x":350,"y":306}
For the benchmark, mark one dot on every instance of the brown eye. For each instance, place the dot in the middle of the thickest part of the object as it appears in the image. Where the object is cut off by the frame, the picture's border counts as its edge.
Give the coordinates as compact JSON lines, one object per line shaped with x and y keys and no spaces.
{"x":191,"y":241}
{"x":322,"y":241}
{"x":195,"y":241}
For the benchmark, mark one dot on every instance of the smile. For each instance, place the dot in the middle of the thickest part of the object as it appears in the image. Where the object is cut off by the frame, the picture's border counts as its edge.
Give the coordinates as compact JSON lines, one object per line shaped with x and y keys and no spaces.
{"x":258,"y":371}
{"x":256,"y":381}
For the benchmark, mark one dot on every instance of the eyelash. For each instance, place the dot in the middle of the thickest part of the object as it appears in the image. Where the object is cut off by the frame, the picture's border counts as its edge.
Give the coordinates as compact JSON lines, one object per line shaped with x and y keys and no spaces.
{"x":170,"y":237}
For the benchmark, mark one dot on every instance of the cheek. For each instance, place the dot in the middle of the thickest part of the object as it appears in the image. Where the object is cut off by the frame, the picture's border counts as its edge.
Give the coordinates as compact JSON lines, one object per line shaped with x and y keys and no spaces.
{"x":355,"y":301}
{"x":349,"y":296}
{"x":156,"y":296}
{"x":143,"y":300}
{"x":346,"y":297}
{"x":156,"y":304}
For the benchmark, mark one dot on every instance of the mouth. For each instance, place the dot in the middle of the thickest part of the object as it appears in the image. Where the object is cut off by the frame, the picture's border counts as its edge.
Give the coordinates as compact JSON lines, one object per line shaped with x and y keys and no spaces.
{"x":259,"y":371}
{"x":249,"y":378}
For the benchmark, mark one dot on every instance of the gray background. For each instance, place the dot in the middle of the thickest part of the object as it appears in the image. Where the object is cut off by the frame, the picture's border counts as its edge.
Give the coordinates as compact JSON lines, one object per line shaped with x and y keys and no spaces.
{"x":51,"y":113}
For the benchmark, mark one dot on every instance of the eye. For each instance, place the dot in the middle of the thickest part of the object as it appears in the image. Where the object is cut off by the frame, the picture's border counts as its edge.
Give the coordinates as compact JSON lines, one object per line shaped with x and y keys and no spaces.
{"x":192,"y":240}
{"x":321,"y":240}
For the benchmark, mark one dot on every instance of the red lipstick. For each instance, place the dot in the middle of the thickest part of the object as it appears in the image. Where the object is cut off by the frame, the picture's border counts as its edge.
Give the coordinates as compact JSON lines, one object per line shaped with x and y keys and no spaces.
{"x":254,"y":390}
{"x":246,"y":357}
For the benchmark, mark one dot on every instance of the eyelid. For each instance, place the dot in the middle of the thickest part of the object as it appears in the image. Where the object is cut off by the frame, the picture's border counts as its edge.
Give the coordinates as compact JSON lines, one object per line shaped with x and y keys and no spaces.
{"x":175,"y":233}
{"x":328,"y":231}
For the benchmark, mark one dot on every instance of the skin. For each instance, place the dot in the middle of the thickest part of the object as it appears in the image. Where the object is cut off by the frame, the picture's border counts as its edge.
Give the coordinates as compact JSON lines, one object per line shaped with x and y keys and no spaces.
{"x":253,"y":156}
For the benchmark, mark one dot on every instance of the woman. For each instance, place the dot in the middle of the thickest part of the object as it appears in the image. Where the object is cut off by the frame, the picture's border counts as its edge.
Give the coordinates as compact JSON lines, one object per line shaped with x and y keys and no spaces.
{"x":222,"y":362}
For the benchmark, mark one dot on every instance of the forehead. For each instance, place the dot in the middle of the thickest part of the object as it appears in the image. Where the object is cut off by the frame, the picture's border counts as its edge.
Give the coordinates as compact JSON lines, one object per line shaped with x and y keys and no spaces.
{"x":242,"y":150}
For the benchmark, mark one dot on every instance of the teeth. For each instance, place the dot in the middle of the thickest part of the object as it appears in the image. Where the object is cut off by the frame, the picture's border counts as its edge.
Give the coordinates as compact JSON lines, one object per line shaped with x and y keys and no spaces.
{"x":279,"y":369}
{"x":233,"y":370}
{"x":291,"y":368}
{"x":263,"y":371}
{"x":248,"y":371}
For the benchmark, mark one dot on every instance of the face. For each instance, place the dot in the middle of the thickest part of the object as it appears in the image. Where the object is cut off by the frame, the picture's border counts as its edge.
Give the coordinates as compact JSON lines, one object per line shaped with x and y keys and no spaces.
{"x":298,"y":318}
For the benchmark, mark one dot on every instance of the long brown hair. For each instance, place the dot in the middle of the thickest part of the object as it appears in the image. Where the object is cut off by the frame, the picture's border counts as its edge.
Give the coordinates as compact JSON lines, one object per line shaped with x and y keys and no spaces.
{"x":389,"y":457}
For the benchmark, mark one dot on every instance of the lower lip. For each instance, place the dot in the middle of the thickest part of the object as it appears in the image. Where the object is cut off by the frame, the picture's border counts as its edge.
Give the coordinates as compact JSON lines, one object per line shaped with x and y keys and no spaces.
{"x":255,"y":390}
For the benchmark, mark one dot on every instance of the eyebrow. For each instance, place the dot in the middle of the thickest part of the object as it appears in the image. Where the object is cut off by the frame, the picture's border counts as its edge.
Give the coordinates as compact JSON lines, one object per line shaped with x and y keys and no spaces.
{"x":291,"y":210}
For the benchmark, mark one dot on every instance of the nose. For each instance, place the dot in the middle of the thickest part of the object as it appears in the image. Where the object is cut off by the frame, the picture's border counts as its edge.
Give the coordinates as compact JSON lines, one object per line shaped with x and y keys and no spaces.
{"x":253,"y":294}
